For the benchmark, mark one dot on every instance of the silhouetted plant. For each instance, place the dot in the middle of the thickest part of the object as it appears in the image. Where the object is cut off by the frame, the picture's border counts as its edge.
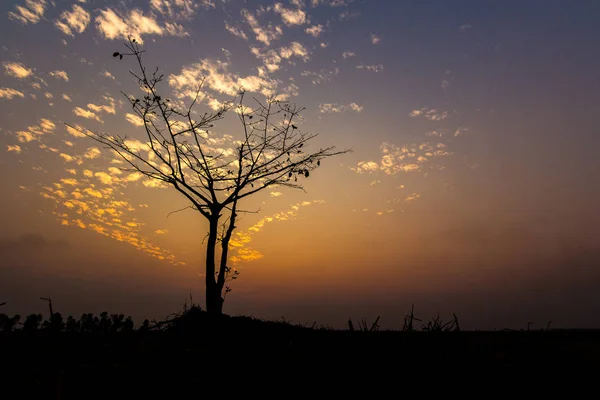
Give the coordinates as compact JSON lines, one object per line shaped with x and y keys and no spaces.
{"x":409,"y":319}
{"x":364,"y":326}
{"x":32,"y":322}
{"x":7,"y":324}
{"x":269,"y":153}
{"x":438,"y":325}
{"x":55,"y":323}
{"x":72,"y":325}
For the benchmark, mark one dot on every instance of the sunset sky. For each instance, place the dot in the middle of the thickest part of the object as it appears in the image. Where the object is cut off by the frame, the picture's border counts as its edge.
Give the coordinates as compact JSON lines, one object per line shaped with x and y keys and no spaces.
{"x":472,"y":185}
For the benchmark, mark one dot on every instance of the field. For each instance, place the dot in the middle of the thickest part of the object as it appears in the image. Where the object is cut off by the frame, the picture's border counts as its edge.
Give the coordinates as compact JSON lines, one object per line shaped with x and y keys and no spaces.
{"x":195,"y":354}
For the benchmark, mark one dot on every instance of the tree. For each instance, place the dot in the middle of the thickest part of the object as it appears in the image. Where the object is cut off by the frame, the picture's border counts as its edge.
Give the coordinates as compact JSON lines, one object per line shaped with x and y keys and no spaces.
{"x":270,"y":152}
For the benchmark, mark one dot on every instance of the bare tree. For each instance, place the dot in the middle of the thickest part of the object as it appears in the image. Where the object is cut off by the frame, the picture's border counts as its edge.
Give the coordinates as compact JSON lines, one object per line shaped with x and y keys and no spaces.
{"x":270,"y":152}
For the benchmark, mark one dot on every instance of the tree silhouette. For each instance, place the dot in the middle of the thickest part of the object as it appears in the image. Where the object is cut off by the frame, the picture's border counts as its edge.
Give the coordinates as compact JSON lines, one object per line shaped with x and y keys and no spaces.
{"x":179,"y":152}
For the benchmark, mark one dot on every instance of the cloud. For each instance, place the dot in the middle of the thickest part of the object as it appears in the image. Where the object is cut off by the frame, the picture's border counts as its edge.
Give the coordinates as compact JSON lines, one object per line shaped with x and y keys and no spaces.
{"x":263,"y":34}
{"x":31,"y":13}
{"x":240,"y":241}
{"x":321,"y":76}
{"x":338,"y":108}
{"x":461,"y":131}
{"x":348,"y":54}
{"x":108,"y":75}
{"x":60,"y":75}
{"x":105,"y":178}
{"x":289,"y":16}
{"x":8,"y":93}
{"x":314,"y":30}
{"x":17,"y":70}
{"x":134,"y":119}
{"x":107,"y":108}
{"x":35,"y":131}
{"x":464,"y":27}
{"x":236,"y":31}
{"x":430,"y":113}
{"x":71,"y":22}
{"x":219,"y":79}
{"x":114,"y":26}
{"x":14,"y":148}
{"x":407,"y":158}
{"x":375,"y":39}
{"x":179,"y":9}
{"x":276,"y":194}
{"x":412,"y":197}
{"x":66,"y":97}
{"x":76,"y":131}
{"x":174,"y":29}
{"x":81,"y":112}
{"x":91,"y":153}
{"x":294,"y":49}
{"x":93,"y":109}
{"x":372,"y":68}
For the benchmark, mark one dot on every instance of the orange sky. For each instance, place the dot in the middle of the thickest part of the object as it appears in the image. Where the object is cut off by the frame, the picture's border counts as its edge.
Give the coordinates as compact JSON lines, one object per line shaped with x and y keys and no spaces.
{"x":471,"y":187}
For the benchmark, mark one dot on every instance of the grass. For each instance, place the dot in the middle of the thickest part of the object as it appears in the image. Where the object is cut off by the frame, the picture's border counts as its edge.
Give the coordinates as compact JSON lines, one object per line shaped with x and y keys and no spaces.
{"x":106,"y":357}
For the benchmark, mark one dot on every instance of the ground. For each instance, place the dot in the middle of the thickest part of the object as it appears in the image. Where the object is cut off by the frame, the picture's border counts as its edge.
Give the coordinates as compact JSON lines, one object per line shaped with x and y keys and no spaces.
{"x":199,"y":354}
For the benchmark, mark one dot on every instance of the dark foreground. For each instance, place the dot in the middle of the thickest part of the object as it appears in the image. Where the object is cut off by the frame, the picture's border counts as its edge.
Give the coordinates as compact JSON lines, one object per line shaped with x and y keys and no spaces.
{"x":197,"y":356}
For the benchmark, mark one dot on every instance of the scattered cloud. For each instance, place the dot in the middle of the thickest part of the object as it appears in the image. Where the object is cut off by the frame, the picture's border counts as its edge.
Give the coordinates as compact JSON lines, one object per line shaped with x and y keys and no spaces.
{"x":321,"y":76}
{"x":179,"y":9}
{"x":338,"y":108}
{"x":264,"y":34}
{"x":407,"y":158}
{"x":294,"y":49}
{"x":461,"y":131}
{"x":112,"y":25}
{"x":464,"y":27}
{"x":430,"y":113}
{"x":237,"y":32}
{"x":314,"y":30}
{"x":241,"y":240}
{"x":81,"y":112}
{"x":76,"y":131}
{"x":218,"y":78}
{"x":14,"y":148}
{"x":412,"y":197}
{"x":276,"y":194}
{"x":35,"y":131}
{"x":372,"y":68}
{"x":66,"y":97}
{"x":290,"y":16}
{"x":32,"y":12}
{"x":348,"y":54}
{"x":91,"y":153}
{"x":108,"y":75}
{"x":8,"y":93}
{"x":75,"y":21}
{"x":133,"y":119}
{"x":17,"y":70}
{"x":60,"y":75}
{"x":375,"y":39}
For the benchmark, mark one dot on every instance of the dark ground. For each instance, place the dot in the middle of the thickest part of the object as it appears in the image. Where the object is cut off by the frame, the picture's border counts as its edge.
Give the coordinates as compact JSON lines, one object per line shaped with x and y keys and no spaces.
{"x":195,"y":356}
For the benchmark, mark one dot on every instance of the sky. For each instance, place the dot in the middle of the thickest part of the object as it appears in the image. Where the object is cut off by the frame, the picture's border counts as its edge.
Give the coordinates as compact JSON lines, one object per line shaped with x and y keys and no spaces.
{"x":471,"y":187}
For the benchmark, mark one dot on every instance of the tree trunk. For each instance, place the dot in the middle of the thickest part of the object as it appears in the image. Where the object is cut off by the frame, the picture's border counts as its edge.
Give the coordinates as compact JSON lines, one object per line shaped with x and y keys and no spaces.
{"x":214,"y":301}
